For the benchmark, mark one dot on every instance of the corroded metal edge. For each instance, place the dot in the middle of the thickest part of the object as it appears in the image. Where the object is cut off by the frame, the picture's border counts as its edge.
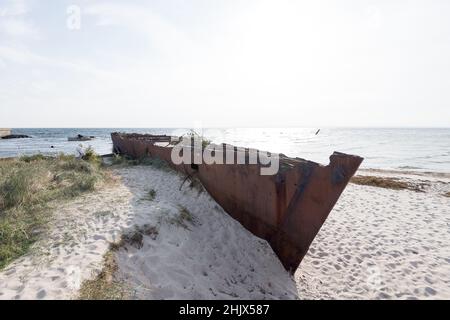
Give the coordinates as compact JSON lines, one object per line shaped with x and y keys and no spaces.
{"x":286,"y":209}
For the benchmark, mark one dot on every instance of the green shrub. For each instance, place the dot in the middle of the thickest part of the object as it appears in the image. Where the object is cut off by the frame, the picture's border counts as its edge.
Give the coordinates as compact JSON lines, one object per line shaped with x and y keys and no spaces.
{"x":91,"y":156}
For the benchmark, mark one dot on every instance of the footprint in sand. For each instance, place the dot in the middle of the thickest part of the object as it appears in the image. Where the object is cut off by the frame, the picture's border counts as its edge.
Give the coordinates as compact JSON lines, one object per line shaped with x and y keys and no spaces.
{"x":41,"y":294}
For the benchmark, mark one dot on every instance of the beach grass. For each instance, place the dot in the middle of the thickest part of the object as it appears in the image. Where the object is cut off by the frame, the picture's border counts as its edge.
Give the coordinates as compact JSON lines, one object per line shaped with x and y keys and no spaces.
{"x":135,"y":237}
{"x":28,"y":185}
{"x":104,"y":286}
{"x":194,"y":135}
{"x":183,"y":217}
{"x":123,"y":160}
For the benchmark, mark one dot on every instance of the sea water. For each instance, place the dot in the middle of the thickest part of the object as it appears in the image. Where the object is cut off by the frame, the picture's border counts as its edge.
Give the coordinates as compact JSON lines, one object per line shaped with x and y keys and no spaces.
{"x":400,"y":149}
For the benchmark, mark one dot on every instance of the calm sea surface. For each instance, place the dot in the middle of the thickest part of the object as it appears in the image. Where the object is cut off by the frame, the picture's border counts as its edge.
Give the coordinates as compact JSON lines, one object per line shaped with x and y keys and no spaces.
{"x":404,"y":149}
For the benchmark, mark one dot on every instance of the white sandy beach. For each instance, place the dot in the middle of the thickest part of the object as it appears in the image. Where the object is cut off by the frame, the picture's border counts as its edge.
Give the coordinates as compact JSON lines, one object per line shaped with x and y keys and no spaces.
{"x":377,"y":243}
{"x":382,"y":244}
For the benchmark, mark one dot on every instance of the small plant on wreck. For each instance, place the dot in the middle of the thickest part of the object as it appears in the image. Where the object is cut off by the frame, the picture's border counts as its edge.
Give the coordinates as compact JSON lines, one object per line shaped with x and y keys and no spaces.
{"x":194,"y":135}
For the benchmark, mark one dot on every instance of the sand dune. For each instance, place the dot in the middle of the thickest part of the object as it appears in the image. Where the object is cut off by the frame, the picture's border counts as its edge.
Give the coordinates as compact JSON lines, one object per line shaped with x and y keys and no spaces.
{"x":72,"y":249}
{"x":212,"y":257}
{"x":377,"y":243}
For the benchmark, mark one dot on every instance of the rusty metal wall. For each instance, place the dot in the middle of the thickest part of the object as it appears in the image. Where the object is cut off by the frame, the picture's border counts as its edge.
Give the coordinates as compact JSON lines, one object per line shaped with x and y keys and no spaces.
{"x":286,"y":209}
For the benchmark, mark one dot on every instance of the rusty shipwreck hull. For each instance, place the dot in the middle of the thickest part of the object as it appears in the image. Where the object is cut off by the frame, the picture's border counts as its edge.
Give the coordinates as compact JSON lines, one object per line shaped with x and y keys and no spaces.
{"x":286,"y":209}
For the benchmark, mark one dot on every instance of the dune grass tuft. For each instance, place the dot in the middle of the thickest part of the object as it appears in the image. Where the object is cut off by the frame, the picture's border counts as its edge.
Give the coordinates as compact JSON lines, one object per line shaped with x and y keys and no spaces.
{"x":135,"y":237}
{"x":28,"y":185}
{"x":104,"y":286}
{"x":32,"y":158}
{"x":183,"y":218}
{"x":91,"y":156}
{"x":150,"y":195}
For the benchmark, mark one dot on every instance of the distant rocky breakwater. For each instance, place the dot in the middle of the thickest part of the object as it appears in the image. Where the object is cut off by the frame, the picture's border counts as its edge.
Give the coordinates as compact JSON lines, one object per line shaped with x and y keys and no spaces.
{"x":6,"y":134}
{"x":16,"y":136}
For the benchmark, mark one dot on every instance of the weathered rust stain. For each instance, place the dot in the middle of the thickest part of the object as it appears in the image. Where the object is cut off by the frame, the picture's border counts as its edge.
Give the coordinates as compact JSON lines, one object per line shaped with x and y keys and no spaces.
{"x":286,"y":209}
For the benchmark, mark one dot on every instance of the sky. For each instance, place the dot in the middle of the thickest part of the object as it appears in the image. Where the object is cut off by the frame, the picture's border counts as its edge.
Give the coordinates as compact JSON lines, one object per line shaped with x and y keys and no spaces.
{"x":224,"y":63}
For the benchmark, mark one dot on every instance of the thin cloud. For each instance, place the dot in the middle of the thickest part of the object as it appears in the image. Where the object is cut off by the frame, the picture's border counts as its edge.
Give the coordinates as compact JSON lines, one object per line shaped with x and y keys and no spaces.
{"x":17,"y":28}
{"x":14,"y":21}
{"x":164,"y":36}
{"x":289,"y":62}
{"x":14,"y":8}
{"x":26,"y":57}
